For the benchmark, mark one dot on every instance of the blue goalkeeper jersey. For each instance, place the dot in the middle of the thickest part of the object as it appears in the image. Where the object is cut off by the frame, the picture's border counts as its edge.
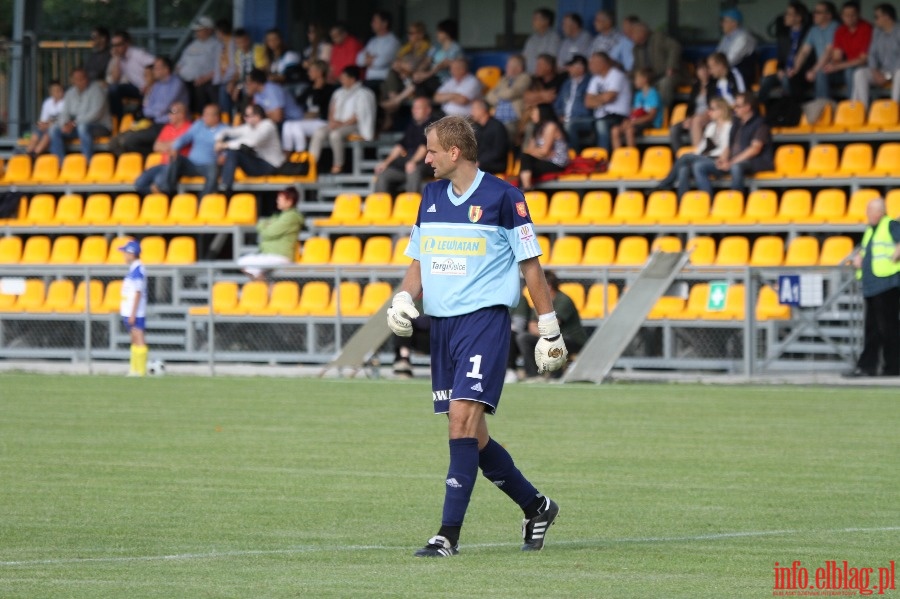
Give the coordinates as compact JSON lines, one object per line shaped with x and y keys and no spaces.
{"x":468,"y":247}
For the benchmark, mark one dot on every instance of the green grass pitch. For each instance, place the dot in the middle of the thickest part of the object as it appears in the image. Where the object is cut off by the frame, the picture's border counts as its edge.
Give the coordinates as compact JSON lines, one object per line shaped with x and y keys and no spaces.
{"x":189,"y":487}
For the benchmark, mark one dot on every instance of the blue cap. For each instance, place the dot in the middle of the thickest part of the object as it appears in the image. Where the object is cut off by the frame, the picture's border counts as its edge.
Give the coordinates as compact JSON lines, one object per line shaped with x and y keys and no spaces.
{"x":132,"y":247}
{"x":733,"y":14}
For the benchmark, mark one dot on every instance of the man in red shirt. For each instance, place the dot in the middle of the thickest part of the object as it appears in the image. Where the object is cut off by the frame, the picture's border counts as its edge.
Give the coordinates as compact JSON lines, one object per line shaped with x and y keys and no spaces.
{"x":154,"y":178}
{"x":851,"y":44}
{"x":343,"y":51}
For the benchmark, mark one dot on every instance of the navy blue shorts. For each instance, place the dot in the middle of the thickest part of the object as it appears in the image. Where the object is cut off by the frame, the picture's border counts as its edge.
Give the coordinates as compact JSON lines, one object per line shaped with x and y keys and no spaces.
{"x":468,"y":357}
{"x":139,"y":323}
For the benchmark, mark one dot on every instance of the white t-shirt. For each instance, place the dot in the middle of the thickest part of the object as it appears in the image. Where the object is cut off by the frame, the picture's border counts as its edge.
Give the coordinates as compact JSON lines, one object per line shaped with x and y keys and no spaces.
{"x":614,"y":80}
{"x":135,"y":281}
{"x":51,"y":109}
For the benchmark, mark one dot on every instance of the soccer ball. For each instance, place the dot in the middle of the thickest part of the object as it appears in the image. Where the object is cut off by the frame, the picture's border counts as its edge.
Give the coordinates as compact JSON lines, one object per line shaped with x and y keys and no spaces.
{"x":156,"y":368}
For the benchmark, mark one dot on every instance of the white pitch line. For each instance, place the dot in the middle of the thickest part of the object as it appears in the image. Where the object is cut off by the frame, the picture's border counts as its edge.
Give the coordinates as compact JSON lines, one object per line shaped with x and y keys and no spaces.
{"x":320,"y":549}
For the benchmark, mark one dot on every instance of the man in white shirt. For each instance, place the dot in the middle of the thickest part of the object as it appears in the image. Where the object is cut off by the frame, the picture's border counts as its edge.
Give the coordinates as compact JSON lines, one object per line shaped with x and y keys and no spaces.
{"x":379,"y":53}
{"x":125,"y":71}
{"x":352,"y":111}
{"x":608,"y":94}
{"x":198,"y":63}
{"x":544,"y":40}
{"x":253,"y":146}
{"x":455,"y":95}
{"x":575,"y":42}
{"x":612,"y":41}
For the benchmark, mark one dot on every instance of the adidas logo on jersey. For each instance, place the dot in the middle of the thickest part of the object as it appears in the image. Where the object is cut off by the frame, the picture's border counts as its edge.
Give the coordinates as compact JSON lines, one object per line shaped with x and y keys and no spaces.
{"x":477,"y":387}
{"x":432,"y":208}
{"x":453,"y":483}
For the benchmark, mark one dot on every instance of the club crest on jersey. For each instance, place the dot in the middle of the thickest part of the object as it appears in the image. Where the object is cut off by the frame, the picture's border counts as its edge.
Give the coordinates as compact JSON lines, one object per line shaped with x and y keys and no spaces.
{"x":522,"y":209}
{"x":475,"y":213}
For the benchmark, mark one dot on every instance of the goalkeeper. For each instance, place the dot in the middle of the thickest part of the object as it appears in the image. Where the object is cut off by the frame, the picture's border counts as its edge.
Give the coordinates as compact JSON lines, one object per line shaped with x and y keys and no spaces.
{"x":472,"y":236}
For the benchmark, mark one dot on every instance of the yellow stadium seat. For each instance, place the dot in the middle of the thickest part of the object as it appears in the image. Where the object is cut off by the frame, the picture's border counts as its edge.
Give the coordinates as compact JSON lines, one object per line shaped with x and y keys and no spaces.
{"x":374,"y":296}
{"x":125,"y":123}
{"x":284,"y":298}
{"x":624,"y":164}
{"x":316,"y":250}
{"x":835,"y":250}
{"x":892,"y":203}
{"x":73,"y":169}
{"x":629,"y":208}
{"x":575,"y":291}
{"x":830,"y":206}
{"x":19,"y":217}
{"x":41,"y":209}
{"x":115,"y":256}
{"x":345,"y":299}
{"x":489,"y":75}
{"x":666,"y":307}
{"x":97,"y":209}
{"x":154,"y":209}
{"x":663,"y":129}
{"x":856,"y":160}
{"x":101,"y":169}
{"x":297,"y":158}
{"x":679,"y":113}
{"x":762,"y":206}
{"x":346,"y":250}
{"x":347,"y":210}
{"x":94,"y":250}
{"x":563,"y":210}
{"x":399,"y":256}
{"x":821,"y":161}
{"x":601,"y":300}
{"x":770,"y":67}
{"x":153,"y":159}
{"x":702,"y":249}
{"x":32,"y":298}
{"x":69,"y":209}
{"x":46,"y":169}
{"x":856,"y":208}
{"x":567,"y":251}
{"x":153,"y":250}
{"x":252,"y":300}
{"x":406,"y":208}
{"x":10,"y":250}
{"x":183,"y":210}
{"x":802,"y":251}
{"x":112,"y":297}
{"x":79,"y":303}
{"x":126,"y":209}
{"x":632,"y":251}
{"x":768,"y":250}
{"x":65,"y":250}
{"x":18,"y":170}
{"x":662,"y":206}
{"x":599,"y":250}
{"x":734,"y":250}
{"x":7,"y":302}
{"x":212,"y":210}
{"x":886,"y":160}
{"x":883,"y":116}
{"x":181,"y":250}
{"x":128,"y":167}
{"x":694,"y":208}
{"x":849,"y":115}
{"x":376,"y":209}
{"x":789,"y":162}
{"x":60,"y":295}
{"x":795,"y":207}
{"x":537,"y":206}
{"x":727,"y":208}
{"x":314,"y":298}
{"x":666,"y":243}
{"x":224,"y":297}
{"x":596,"y":208}
{"x":36,"y":250}
{"x":656,"y":163}
{"x":241,"y":209}
{"x":544,"y":243}
{"x":377,"y":251}
{"x":768,"y":306}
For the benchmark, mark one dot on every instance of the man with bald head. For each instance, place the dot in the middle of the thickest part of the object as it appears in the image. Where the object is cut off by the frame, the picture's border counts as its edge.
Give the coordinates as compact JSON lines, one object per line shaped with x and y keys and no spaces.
{"x":877,"y":262}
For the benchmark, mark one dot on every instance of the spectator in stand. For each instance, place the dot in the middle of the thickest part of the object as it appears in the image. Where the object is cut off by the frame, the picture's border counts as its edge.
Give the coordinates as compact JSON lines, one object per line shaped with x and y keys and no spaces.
{"x":544,"y":88}
{"x":646,"y":111}
{"x":98,"y":60}
{"x":201,"y":161}
{"x":153,"y":180}
{"x":697,"y":109}
{"x":167,"y":89}
{"x":436,"y":70}
{"x":399,"y":85}
{"x":615,"y":43}
{"x":318,"y":46}
{"x":851,"y":45}
{"x":508,"y":97}
{"x":791,"y":33}
{"x":750,"y":148}
{"x":818,"y":43}
{"x":51,"y":109}
{"x":491,"y":135}
{"x":253,"y":146}
{"x":198,"y":63}
{"x":662,"y":55}
{"x":715,"y":140}
{"x":379,"y":53}
{"x":883,"y":67}
{"x":278,"y":236}
{"x":726,"y":81}
{"x":125,"y":71}
{"x":543,"y":41}
{"x":85,"y":115}
{"x":225,"y":63}
{"x":344,"y":48}
{"x":576,"y":118}
{"x":279,"y":105}
{"x":314,"y":102}
{"x":284,"y":63}
{"x":247,"y":56}
{"x":575,"y":41}
{"x":738,"y":44}
{"x":351,"y":112}
{"x":547,"y":151}
{"x":722,"y":81}
{"x":404,"y":167}
{"x":455,"y":95}
{"x":608,"y":95}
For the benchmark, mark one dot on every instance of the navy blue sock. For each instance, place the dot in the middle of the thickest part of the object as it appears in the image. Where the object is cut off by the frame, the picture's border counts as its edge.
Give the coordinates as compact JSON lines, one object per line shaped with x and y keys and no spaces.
{"x":461,"y":478}
{"x":498,"y":467}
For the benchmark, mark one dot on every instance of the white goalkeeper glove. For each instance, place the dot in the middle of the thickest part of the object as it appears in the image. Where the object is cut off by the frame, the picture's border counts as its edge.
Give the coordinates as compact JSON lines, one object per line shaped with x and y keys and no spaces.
{"x":401,"y":313}
{"x":550,"y":352}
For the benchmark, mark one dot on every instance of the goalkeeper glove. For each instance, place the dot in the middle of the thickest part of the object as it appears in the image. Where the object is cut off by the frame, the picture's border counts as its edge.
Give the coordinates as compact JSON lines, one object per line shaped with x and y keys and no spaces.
{"x":550,"y":352}
{"x":401,"y":313}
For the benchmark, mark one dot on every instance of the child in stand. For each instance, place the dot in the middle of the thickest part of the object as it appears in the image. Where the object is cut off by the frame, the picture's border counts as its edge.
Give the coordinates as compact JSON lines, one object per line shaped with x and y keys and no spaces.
{"x":134,"y":306}
{"x":646,"y":111}
{"x":50,"y":111}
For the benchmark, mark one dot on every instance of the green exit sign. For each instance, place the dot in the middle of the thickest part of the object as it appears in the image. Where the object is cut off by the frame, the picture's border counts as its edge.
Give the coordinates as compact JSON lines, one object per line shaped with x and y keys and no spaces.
{"x":718,"y":293}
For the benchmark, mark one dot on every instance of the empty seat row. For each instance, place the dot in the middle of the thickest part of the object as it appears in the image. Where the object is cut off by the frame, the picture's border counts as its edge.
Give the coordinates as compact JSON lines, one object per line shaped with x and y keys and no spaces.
{"x":850,"y":116}
{"x":377,"y":209}
{"x":350,"y":250}
{"x":285,"y":298}
{"x":94,"y":250}
{"x":792,"y":161}
{"x":155,"y":209}
{"x":62,"y":296}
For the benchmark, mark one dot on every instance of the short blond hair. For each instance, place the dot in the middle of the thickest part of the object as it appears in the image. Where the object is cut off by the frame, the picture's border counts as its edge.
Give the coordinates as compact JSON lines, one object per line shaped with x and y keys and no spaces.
{"x":456,"y":131}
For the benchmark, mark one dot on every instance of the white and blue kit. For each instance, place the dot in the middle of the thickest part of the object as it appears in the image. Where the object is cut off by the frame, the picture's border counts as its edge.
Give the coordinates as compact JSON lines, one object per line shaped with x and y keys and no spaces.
{"x":468,"y":248}
{"x":135,"y":281}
